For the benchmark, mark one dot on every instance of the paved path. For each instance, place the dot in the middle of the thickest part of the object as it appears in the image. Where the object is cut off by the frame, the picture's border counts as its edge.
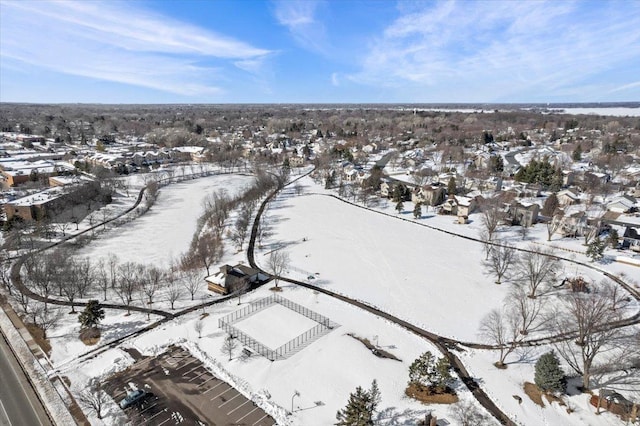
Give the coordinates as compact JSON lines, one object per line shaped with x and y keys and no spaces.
{"x":19,"y":404}
{"x":445,"y":345}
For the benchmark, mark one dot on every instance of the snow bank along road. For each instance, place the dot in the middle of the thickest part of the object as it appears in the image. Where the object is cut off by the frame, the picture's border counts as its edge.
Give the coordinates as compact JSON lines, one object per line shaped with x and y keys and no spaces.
{"x":19,"y":404}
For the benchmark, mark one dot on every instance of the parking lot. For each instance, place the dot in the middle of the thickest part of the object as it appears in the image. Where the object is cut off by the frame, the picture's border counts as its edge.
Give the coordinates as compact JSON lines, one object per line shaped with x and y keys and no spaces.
{"x":184,"y":391}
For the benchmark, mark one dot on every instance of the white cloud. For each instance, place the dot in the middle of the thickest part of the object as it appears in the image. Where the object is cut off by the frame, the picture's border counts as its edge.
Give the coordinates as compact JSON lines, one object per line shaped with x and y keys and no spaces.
{"x":501,"y":50}
{"x":299,"y":16}
{"x":115,"y":41}
{"x":334,"y":79}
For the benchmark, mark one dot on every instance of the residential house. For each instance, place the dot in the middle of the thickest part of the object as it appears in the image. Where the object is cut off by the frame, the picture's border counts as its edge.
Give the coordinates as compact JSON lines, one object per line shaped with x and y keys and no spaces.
{"x":431,"y":195}
{"x":568,"y":177}
{"x":631,"y":225}
{"x":623,"y":204}
{"x":521,"y":213}
{"x":568,"y":197}
{"x":231,"y":278}
{"x":458,"y":206}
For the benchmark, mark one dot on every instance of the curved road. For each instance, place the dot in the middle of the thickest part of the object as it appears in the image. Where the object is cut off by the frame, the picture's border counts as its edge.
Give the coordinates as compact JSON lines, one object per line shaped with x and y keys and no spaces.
{"x":19,"y":404}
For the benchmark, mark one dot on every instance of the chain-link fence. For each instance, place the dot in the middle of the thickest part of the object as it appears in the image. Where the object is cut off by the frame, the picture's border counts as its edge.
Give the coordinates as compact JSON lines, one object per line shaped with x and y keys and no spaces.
{"x":324,"y":326}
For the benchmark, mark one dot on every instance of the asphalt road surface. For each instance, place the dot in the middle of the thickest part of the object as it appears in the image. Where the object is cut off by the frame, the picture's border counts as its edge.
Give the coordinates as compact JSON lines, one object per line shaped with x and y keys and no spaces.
{"x":19,"y":404}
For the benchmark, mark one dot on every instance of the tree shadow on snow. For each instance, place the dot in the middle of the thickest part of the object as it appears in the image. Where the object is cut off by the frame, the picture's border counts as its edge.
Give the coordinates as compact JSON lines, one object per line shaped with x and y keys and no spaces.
{"x":391,"y":416}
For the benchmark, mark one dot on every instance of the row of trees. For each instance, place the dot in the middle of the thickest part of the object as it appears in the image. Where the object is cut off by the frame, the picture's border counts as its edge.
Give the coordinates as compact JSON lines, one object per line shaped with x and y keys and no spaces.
{"x":207,"y":247}
{"x":69,"y":278}
{"x":584,"y":326}
{"x":535,"y":268}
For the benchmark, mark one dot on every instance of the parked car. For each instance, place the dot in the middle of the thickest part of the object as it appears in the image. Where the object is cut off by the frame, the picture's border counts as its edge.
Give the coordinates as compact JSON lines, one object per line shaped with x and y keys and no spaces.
{"x":133,"y":398}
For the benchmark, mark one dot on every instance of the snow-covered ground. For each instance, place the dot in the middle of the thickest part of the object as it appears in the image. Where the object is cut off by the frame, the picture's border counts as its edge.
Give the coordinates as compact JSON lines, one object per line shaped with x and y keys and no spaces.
{"x":324,"y":372}
{"x":433,"y":279}
{"x":617,"y":112}
{"x":419,"y":274}
{"x":165,"y":231}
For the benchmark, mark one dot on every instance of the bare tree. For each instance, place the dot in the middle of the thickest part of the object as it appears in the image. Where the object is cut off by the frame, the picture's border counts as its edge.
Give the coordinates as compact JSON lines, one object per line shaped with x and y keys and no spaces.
{"x":466,"y":413}
{"x":105,"y":213}
{"x":151,"y":193}
{"x":151,"y":282}
{"x":553,"y":225}
{"x":526,"y":308}
{"x":84,"y":272}
{"x":101,"y":278}
{"x":62,"y":227}
{"x":94,"y":397}
{"x":278,"y":263}
{"x":501,"y":328}
{"x":240,"y":286}
{"x":264,"y":230}
{"x":241,"y":225}
{"x":41,"y":274}
{"x":491,"y":216}
{"x":47,"y":318}
{"x":206,"y":249}
{"x":586,"y":318}
{"x":127,"y":283}
{"x":173,"y":289}
{"x":500,"y":261}
{"x":229,"y":346}
{"x":216,"y":207}
{"x":5,"y":273}
{"x":198,"y":326}
{"x":537,"y":267}
{"x":112,"y":267}
{"x":69,"y":281}
{"x":23,"y":301}
{"x":192,"y":281}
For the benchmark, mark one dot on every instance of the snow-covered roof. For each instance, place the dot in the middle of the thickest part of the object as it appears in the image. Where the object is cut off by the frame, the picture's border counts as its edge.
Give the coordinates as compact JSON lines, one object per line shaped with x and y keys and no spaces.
{"x":39,"y":198}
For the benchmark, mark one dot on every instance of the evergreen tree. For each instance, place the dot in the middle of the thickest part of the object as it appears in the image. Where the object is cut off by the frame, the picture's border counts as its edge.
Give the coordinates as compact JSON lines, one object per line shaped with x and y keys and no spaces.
{"x":443,"y":370}
{"x":358,"y":411}
{"x":375,"y":397}
{"x":399,"y":193}
{"x":595,"y":249}
{"x":612,"y":240}
{"x":487,"y":137}
{"x":551,"y":204}
{"x":417,"y":211}
{"x":399,"y":206}
{"x":427,"y":372}
{"x":496,"y":164}
{"x":577,"y":153}
{"x":541,"y":172}
{"x":549,"y":375}
{"x":92,"y":315}
{"x":556,"y":181}
{"x":451,"y":186}
{"x":330,"y":179}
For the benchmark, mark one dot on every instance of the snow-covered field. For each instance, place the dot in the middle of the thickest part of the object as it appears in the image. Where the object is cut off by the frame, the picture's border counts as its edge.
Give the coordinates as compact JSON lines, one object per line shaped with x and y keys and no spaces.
{"x":166,"y":230}
{"x":433,"y":279}
{"x":616,"y":112}
{"x":427,"y":277}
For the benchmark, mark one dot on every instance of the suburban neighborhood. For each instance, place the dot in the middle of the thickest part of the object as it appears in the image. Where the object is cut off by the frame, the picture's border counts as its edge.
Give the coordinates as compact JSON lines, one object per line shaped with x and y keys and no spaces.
{"x":442,"y":267}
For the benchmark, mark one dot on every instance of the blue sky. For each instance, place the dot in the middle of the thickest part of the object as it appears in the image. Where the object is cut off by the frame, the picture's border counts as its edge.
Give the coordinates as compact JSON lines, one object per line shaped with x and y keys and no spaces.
{"x":339,"y":51}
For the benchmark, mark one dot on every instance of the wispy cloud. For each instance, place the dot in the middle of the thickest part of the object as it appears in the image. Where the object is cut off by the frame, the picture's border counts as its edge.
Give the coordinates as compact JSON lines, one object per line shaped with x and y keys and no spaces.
{"x":502,"y":50}
{"x":299,"y":16}
{"x":118,"y":42}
